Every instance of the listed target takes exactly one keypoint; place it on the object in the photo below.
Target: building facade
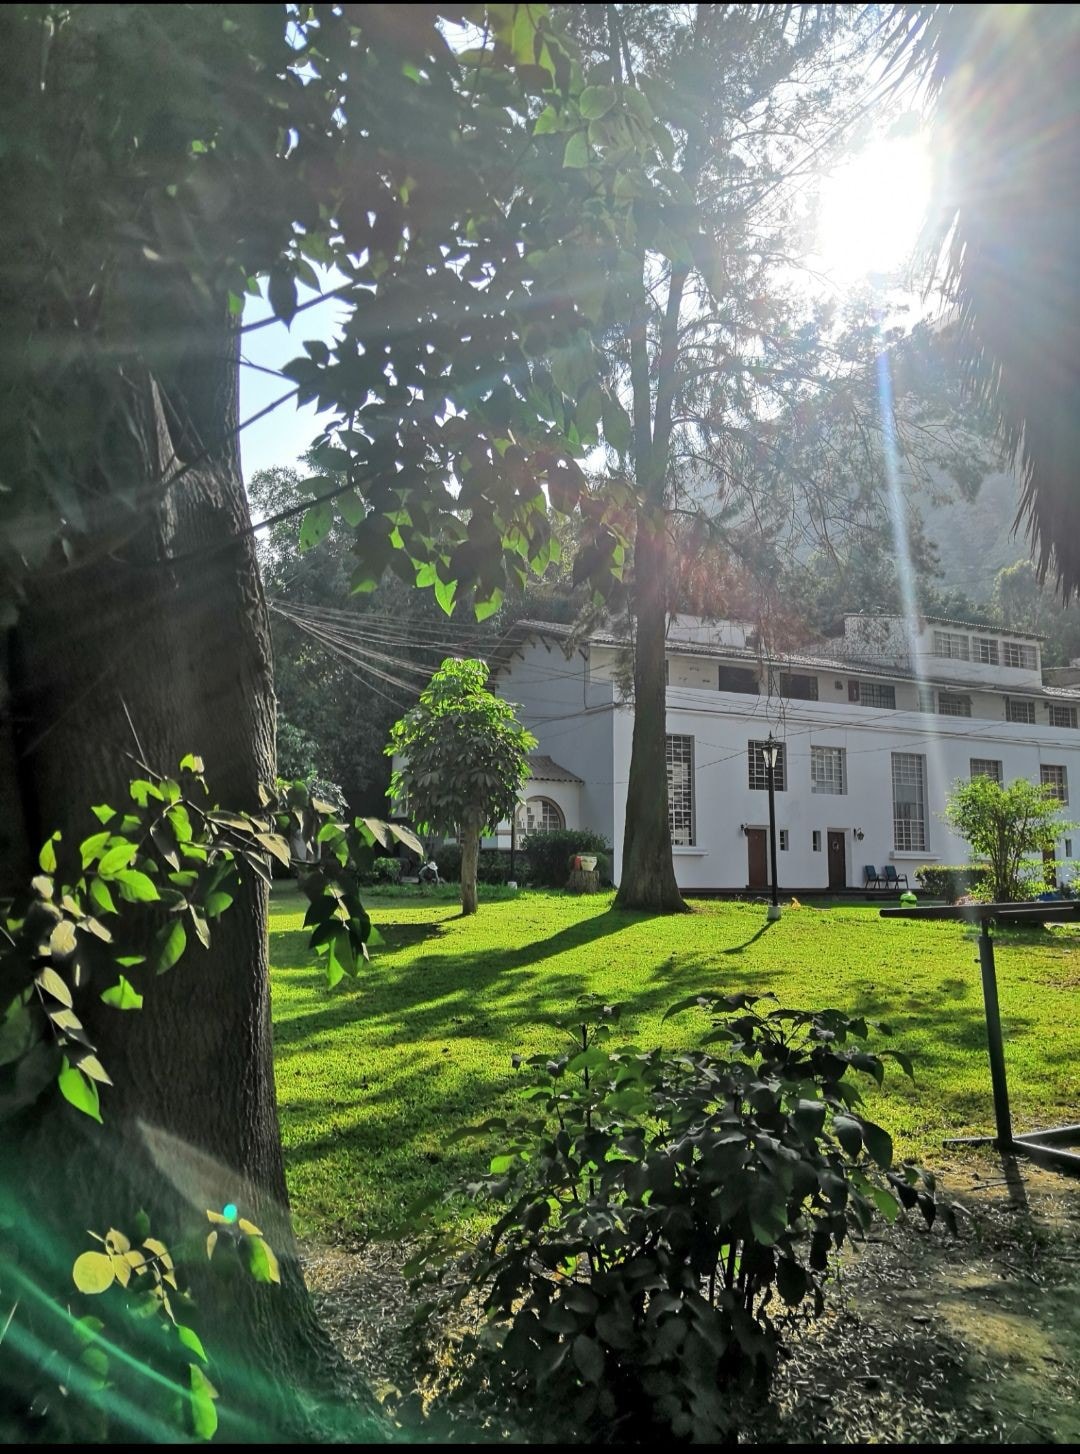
(874, 728)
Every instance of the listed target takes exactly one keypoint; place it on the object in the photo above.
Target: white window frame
(758, 773)
(910, 828)
(1064, 713)
(828, 770)
(977, 767)
(1056, 775)
(533, 811)
(953, 704)
(986, 651)
(868, 691)
(1020, 656)
(682, 816)
(952, 646)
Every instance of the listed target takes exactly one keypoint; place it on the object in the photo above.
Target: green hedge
(492, 866)
(550, 854)
(951, 881)
(387, 870)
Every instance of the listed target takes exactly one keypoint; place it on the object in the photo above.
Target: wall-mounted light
(742, 827)
(858, 833)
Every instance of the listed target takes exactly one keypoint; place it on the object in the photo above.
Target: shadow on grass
(741, 948)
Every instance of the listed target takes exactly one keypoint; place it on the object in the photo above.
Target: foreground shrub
(663, 1217)
(550, 854)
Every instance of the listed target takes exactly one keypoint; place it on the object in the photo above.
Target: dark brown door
(758, 859)
(837, 861)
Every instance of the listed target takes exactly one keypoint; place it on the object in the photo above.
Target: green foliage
(463, 751)
(1004, 826)
(386, 870)
(662, 1218)
(951, 881)
(492, 865)
(550, 854)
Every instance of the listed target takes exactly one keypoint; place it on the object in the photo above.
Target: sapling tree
(463, 757)
(1006, 826)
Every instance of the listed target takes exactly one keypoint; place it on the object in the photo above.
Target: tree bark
(470, 853)
(124, 657)
(647, 879)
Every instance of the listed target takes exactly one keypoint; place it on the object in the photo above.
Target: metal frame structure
(1045, 1147)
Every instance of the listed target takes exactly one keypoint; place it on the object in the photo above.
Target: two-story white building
(874, 727)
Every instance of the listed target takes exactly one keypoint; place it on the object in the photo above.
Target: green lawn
(372, 1077)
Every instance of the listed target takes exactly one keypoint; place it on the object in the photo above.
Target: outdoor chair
(871, 877)
(893, 880)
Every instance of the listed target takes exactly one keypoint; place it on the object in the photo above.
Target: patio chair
(893, 880)
(871, 877)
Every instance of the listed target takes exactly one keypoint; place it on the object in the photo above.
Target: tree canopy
(1006, 826)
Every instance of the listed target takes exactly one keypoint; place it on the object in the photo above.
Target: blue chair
(893, 880)
(871, 877)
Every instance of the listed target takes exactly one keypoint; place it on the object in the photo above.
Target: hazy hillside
(974, 540)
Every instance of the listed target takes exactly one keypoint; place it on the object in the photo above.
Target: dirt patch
(928, 1338)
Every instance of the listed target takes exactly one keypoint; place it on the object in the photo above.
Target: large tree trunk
(470, 854)
(125, 656)
(647, 879)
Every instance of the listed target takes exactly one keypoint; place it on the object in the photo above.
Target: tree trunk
(647, 879)
(470, 853)
(126, 657)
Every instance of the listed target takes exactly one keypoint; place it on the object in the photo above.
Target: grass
(373, 1077)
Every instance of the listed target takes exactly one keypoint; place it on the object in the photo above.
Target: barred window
(785, 840)
(1061, 716)
(1057, 778)
(986, 651)
(540, 815)
(759, 776)
(873, 694)
(827, 774)
(952, 646)
(680, 790)
(1019, 711)
(798, 688)
(1021, 654)
(926, 699)
(909, 802)
(815, 839)
(953, 704)
(987, 767)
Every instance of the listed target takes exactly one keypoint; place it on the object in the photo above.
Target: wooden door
(757, 858)
(837, 860)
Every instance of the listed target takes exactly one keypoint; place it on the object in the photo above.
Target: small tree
(463, 760)
(1005, 825)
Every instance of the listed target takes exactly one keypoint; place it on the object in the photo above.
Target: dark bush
(950, 882)
(387, 870)
(663, 1218)
(448, 862)
(550, 853)
(492, 866)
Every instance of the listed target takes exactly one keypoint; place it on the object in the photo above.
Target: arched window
(539, 815)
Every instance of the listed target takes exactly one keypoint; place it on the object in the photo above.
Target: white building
(874, 728)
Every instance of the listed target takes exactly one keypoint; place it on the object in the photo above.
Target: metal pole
(995, 1045)
(774, 912)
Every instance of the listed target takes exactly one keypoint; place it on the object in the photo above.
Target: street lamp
(769, 753)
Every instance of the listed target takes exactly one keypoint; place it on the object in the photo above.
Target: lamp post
(769, 753)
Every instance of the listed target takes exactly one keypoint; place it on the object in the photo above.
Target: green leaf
(262, 1263)
(136, 887)
(589, 1358)
(62, 941)
(79, 1090)
(317, 523)
(547, 122)
(217, 903)
(849, 1134)
(275, 844)
(577, 151)
(47, 856)
(117, 858)
(90, 847)
(444, 594)
(878, 1143)
(618, 429)
(792, 1281)
(169, 945)
(204, 1417)
(49, 980)
(93, 1272)
(191, 1340)
(103, 813)
(597, 101)
(100, 897)
(281, 291)
(887, 1204)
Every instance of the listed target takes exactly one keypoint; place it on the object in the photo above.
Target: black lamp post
(769, 753)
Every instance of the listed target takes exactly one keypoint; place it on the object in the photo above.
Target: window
(737, 679)
(953, 704)
(986, 651)
(1068, 848)
(1020, 654)
(909, 802)
(815, 839)
(951, 645)
(667, 672)
(1057, 778)
(540, 815)
(798, 688)
(784, 840)
(872, 694)
(759, 778)
(827, 773)
(987, 767)
(1018, 711)
(1062, 716)
(926, 699)
(680, 790)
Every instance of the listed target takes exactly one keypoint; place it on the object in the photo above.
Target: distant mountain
(974, 539)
